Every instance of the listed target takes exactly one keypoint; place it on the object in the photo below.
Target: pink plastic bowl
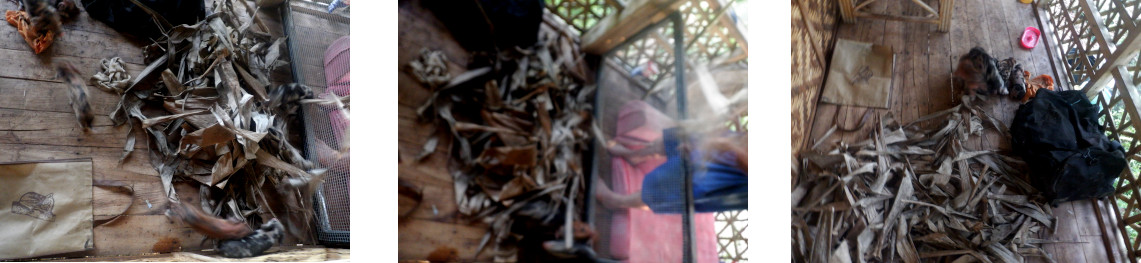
(1030, 37)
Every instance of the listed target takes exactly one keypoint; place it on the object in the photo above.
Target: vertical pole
(689, 240)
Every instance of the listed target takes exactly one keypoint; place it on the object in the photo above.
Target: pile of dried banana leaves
(909, 194)
(518, 127)
(212, 117)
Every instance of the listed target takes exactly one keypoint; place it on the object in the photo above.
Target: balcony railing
(713, 33)
(1097, 43)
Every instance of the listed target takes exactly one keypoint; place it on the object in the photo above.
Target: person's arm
(743, 158)
(739, 148)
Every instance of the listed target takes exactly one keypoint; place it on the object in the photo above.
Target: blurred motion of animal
(255, 244)
(46, 14)
(77, 91)
(208, 225)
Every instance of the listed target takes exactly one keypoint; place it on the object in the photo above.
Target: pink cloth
(637, 235)
(337, 81)
(337, 62)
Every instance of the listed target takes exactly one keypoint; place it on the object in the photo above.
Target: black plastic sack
(126, 17)
(1069, 156)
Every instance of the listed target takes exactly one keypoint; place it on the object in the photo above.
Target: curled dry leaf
(430, 68)
(112, 77)
(429, 148)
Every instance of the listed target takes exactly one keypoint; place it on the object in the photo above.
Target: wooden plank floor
(921, 85)
(436, 224)
(36, 123)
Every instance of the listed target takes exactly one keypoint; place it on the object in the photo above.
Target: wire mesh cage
(641, 102)
(319, 48)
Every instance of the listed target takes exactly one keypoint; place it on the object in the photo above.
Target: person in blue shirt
(720, 174)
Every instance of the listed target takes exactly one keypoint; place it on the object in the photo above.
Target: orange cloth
(22, 22)
(1032, 85)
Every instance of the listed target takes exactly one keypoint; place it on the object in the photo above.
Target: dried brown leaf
(842, 254)
(172, 84)
(428, 149)
(147, 123)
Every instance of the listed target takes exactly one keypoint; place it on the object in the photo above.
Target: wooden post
(846, 11)
(850, 12)
(946, 8)
(689, 232)
(616, 28)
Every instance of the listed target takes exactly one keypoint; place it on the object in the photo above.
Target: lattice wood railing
(731, 241)
(582, 14)
(711, 34)
(1097, 41)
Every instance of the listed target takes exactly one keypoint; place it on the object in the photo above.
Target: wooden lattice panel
(1134, 68)
(731, 241)
(1080, 49)
(706, 33)
(580, 14)
(709, 33)
(653, 53)
(1118, 124)
(1118, 17)
(1124, 15)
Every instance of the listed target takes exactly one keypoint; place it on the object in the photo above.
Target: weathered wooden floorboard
(435, 223)
(22, 64)
(939, 65)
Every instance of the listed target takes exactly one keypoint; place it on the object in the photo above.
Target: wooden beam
(1108, 48)
(946, 8)
(847, 11)
(1124, 53)
(616, 28)
(734, 30)
(618, 6)
(1069, 22)
(1052, 48)
(1128, 91)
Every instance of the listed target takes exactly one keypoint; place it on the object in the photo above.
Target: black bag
(126, 17)
(1069, 156)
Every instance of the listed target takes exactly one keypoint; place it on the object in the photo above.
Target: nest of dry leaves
(518, 129)
(912, 194)
(210, 116)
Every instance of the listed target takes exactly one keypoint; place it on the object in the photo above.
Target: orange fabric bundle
(22, 22)
(1039, 82)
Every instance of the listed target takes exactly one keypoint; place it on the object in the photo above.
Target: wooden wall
(814, 24)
